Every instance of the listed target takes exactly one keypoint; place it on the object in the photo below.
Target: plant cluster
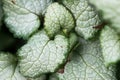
(59, 40)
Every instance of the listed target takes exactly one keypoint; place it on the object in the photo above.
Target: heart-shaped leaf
(42, 55)
(85, 16)
(58, 19)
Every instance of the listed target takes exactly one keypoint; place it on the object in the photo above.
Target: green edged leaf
(21, 21)
(110, 12)
(87, 64)
(86, 17)
(110, 42)
(8, 67)
(42, 55)
(57, 19)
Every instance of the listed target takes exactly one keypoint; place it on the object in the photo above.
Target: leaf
(8, 67)
(42, 55)
(86, 17)
(21, 16)
(57, 19)
(1, 13)
(87, 64)
(19, 20)
(110, 12)
(110, 42)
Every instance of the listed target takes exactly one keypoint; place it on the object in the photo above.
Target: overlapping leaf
(87, 64)
(58, 19)
(42, 55)
(110, 42)
(85, 16)
(22, 16)
(110, 11)
(8, 67)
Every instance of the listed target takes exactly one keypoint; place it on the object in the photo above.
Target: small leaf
(73, 40)
(110, 12)
(42, 55)
(87, 64)
(8, 67)
(86, 17)
(110, 42)
(58, 19)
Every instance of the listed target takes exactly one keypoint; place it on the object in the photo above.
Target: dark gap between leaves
(17, 41)
(118, 70)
